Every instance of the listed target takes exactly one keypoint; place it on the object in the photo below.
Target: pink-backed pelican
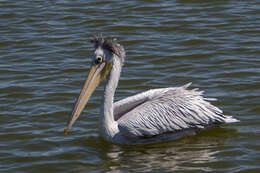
(154, 115)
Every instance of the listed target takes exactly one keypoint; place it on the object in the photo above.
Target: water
(45, 57)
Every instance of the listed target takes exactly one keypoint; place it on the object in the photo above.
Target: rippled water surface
(44, 59)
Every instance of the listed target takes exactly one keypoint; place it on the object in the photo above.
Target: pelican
(151, 116)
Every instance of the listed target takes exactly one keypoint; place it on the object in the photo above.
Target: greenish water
(45, 57)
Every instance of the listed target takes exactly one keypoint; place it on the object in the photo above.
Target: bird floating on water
(151, 116)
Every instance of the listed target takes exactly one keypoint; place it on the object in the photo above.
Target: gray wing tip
(187, 85)
(211, 99)
(200, 92)
(230, 119)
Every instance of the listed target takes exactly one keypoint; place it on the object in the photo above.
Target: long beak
(96, 74)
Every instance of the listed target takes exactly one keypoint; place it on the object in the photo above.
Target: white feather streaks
(167, 110)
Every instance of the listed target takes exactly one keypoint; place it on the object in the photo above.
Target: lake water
(45, 56)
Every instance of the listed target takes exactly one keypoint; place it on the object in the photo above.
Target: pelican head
(102, 61)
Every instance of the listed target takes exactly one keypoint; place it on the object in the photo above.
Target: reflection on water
(165, 159)
(191, 153)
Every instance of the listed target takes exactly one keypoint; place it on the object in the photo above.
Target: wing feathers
(170, 110)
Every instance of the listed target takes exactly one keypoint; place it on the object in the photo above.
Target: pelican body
(151, 116)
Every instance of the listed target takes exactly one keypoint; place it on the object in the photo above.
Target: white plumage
(169, 110)
(154, 115)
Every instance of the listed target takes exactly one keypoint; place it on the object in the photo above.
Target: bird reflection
(190, 153)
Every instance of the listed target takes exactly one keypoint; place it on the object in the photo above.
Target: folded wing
(170, 110)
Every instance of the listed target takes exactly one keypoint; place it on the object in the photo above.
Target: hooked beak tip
(66, 130)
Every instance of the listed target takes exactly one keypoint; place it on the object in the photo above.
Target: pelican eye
(98, 59)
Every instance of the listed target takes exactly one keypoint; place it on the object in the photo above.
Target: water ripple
(45, 55)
